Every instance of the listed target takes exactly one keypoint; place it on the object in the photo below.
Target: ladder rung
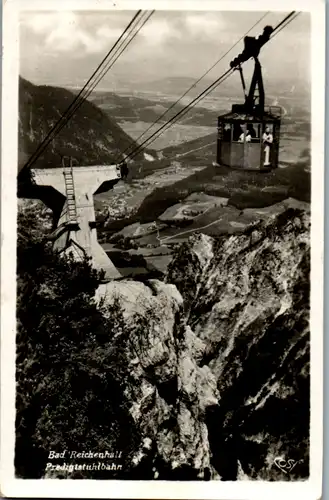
(70, 197)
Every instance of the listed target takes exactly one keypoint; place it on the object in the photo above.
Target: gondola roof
(249, 117)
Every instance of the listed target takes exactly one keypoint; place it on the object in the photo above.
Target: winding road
(192, 150)
(190, 230)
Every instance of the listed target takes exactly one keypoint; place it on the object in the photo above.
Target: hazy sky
(65, 47)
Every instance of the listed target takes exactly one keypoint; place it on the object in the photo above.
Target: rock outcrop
(169, 392)
(219, 356)
(247, 298)
(216, 359)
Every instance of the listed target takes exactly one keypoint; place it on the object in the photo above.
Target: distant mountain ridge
(230, 88)
(91, 136)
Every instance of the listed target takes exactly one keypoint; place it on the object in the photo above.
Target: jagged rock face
(218, 356)
(246, 298)
(169, 392)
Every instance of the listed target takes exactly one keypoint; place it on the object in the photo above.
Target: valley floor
(161, 206)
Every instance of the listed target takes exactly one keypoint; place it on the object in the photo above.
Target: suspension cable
(79, 99)
(276, 32)
(196, 82)
(177, 115)
(50, 135)
(182, 113)
(278, 26)
(110, 64)
(290, 17)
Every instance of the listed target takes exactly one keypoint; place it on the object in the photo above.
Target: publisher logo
(284, 465)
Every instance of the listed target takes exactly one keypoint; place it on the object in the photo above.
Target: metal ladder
(70, 194)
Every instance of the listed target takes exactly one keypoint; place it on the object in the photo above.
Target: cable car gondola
(249, 135)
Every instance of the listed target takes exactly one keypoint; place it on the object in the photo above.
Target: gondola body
(249, 135)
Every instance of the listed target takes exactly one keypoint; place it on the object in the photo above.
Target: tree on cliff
(71, 363)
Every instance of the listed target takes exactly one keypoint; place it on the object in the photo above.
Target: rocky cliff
(219, 356)
(169, 392)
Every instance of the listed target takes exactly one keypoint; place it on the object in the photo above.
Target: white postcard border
(9, 486)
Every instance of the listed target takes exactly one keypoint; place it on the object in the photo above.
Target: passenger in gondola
(227, 132)
(237, 132)
(267, 141)
(245, 136)
(251, 130)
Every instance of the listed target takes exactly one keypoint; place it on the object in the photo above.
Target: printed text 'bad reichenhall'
(85, 454)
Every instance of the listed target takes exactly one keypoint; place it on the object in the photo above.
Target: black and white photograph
(164, 193)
